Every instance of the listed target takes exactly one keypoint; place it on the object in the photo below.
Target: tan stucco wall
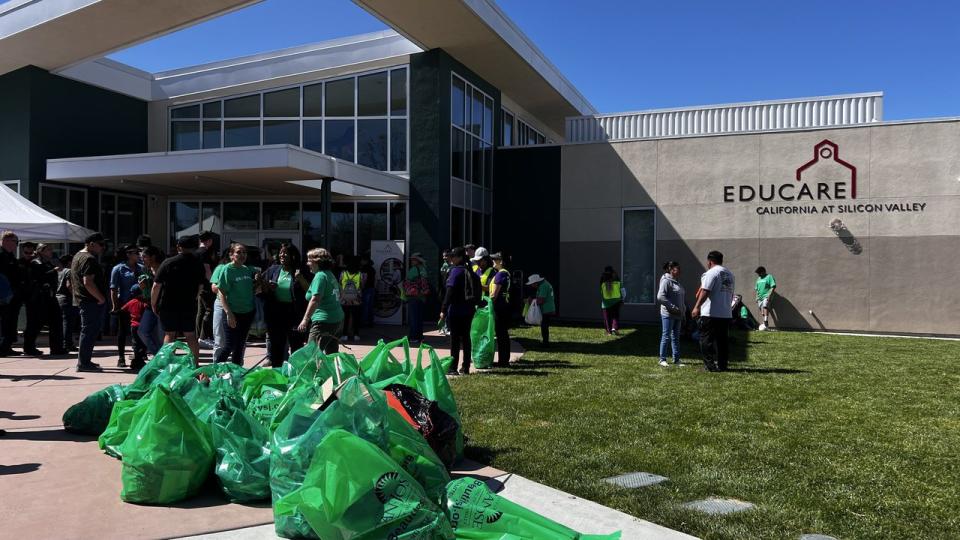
(892, 272)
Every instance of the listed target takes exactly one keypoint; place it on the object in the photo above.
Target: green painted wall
(45, 116)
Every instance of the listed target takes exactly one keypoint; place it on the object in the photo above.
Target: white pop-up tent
(31, 222)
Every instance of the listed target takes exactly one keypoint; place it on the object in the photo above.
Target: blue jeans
(369, 297)
(219, 323)
(150, 331)
(91, 319)
(671, 333)
(415, 315)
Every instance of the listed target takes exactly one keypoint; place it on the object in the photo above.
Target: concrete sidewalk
(57, 485)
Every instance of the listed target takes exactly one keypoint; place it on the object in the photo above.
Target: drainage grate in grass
(718, 507)
(636, 480)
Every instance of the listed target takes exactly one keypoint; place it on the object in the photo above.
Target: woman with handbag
(416, 288)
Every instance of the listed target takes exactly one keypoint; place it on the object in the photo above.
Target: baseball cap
(479, 254)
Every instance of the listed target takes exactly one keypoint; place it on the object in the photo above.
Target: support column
(325, 204)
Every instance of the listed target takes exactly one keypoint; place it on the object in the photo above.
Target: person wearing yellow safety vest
(500, 295)
(611, 298)
(351, 289)
(480, 254)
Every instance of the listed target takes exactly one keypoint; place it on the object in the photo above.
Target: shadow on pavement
(39, 377)
(18, 469)
(48, 435)
(768, 371)
(10, 415)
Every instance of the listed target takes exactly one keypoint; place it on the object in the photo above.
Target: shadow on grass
(768, 371)
(484, 455)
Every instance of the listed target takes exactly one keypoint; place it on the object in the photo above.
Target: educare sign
(829, 180)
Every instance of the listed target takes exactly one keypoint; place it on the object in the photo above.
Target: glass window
(487, 133)
(507, 129)
(281, 132)
(241, 216)
(639, 275)
(476, 116)
(211, 110)
(282, 103)
(281, 215)
(398, 92)
(210, 213)
(242, 107)
(339, 139)
(341, 229)
(313, 100)
(372, 95)
(313, 135)
(312, 226)
(241, 133)
(476, 161)
(340, 98)
(211, 134)
(184, 220)
(398, 221)
(487, 165)
(456, 227)
(108, 220)
(457, 159)
(193, 111)
(457, 96)
(372, 143)
(129, 219)
(398, 145)
(185, 135)
(54, 200)
(371, 225)
(476, 229)
(78, 207)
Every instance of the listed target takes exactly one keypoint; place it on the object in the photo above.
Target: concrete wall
(886, 272)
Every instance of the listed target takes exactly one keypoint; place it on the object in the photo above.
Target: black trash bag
(90, 416)
(436, 426)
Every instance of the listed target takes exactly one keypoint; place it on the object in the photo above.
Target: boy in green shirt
(766, 286)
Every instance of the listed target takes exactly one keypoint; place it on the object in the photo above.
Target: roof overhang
(256, 170)
(480, 36)
(54, 34)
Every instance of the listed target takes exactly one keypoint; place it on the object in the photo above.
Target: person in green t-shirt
(544, 297)
(766, 286)
(324, 316)
(235, 288)
(285, 285)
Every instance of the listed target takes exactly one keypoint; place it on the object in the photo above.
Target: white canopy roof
(31, 222)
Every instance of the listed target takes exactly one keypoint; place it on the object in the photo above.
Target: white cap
(479, 254)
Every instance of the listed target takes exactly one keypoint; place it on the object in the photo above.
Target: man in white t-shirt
(713, 309)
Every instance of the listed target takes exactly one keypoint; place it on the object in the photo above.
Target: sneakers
(663, 363)
(33, 352)
(90, 368)
(122, 363)
(762, 328)
(678, 363)
(206, 343)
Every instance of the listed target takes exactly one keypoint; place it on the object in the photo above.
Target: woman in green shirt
(543, 296)
(324, 316)
(285, 285)
(235, 287)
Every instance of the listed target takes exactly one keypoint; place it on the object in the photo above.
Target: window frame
(623, 219)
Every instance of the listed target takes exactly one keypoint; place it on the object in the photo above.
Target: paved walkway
(54, 484)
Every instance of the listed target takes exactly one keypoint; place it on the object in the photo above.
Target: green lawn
(855, 437)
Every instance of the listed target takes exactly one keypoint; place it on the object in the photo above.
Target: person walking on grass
(544, 297)
(462, 293)
(89, 285)
(766, 286)
(324, 316)
(174, 293)
(673, 308)
(235, 288)
(713, 308)
(611, 298)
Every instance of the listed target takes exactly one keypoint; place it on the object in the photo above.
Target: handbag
(534, 316)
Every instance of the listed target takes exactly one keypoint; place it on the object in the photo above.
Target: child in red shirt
(135, 307)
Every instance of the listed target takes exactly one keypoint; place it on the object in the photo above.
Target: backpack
(473, 291)
(349, 294)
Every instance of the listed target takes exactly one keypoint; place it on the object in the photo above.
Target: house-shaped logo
(826, 166)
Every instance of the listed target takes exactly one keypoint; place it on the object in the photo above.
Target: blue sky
(633, 55)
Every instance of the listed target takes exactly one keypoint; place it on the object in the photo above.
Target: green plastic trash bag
(353, 490)
(380, 363)
(90, 416)
(254, 381)
(301, 359)
(266, 405)
(243, 454)
(226, 378)
(117, 427)
(483, 336)
(168, 454)
(161, 369)
(409, 449)
(431, 381)
(477, 513)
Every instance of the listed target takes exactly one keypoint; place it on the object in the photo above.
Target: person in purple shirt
(457, 311)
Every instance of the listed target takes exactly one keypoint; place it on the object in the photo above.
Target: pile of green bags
(345, 449)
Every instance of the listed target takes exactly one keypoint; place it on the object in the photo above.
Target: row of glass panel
(353, 225)
(121, 218)
(526, 134)
(471, 109)
(471, 159)
(470, 227)
(338, 118)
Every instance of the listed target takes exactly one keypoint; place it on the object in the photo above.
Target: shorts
(178, 320)
(765, 303)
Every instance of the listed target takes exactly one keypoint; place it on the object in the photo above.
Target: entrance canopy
(31, 222)
(255, 170)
